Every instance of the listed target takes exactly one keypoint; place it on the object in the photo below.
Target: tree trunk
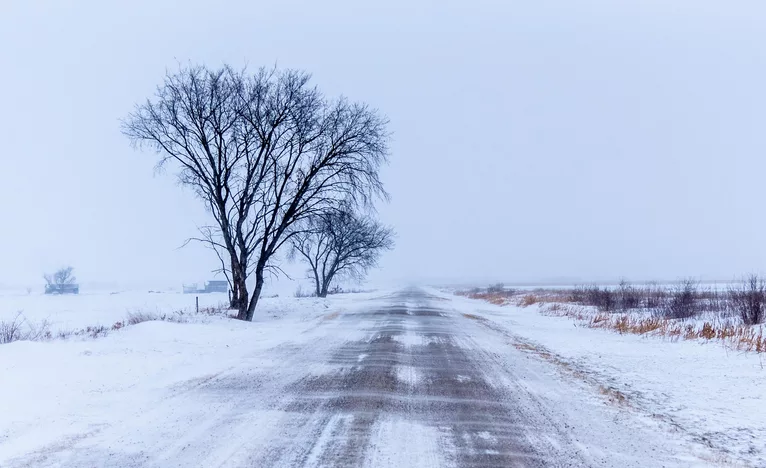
(235, 299)
(238, 297)
(241, 301)
(239, 290)
(259, 280)
(234, 295)
(325, 287)
(318, 291)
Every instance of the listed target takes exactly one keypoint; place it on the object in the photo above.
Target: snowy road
(403, 380)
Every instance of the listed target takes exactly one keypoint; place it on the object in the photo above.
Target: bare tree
(61, 277)
(339, 243)
(62, 281)
(264, 151)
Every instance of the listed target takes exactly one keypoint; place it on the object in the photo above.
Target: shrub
(654, 296)
(496, 288)
(594, 296)
(134, 318)
(11, 331)
(577, 295)
(683, 302)
(629, 297)
(19, 329)
(98, 331)
(602, 298)
(748, 301)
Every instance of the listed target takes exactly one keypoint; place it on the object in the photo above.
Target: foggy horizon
(530, 143)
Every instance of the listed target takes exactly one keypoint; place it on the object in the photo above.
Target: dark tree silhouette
(61, 277)
(264, 151)
(339, 243)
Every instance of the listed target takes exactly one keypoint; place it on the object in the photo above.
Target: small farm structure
(62, 289)
(210, 287)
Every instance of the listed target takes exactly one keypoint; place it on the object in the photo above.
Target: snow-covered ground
(214, 391)
(55, 391)
(74, 312)
(712, 394)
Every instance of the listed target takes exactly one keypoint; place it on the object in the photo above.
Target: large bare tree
(264, 151)
(339, 243)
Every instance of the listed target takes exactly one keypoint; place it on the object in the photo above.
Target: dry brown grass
(528, 300)
(503, 298)
(565, 310)
(558, 298)
(497, 298)
(735, 336)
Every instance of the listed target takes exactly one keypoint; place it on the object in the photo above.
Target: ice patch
(362, 357)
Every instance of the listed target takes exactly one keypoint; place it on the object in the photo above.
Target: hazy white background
(532, 140)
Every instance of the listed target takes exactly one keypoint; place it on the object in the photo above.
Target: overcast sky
(532, 140)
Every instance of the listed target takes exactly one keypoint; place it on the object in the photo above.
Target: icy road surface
(400, 380)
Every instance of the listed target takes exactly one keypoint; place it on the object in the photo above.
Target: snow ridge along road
(397, 380)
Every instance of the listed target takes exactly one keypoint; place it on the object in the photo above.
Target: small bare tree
(264, 152)
(61, 277)
(340, 243)
(748, 300)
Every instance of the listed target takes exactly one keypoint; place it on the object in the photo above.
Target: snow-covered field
(712, 394)
(74, 312)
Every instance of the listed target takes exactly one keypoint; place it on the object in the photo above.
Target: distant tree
(264, 152)
(61, 277)
(339, 243)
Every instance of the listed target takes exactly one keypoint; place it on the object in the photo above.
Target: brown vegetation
(724, 316)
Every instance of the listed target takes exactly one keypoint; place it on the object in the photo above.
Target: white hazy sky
(539, 139)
